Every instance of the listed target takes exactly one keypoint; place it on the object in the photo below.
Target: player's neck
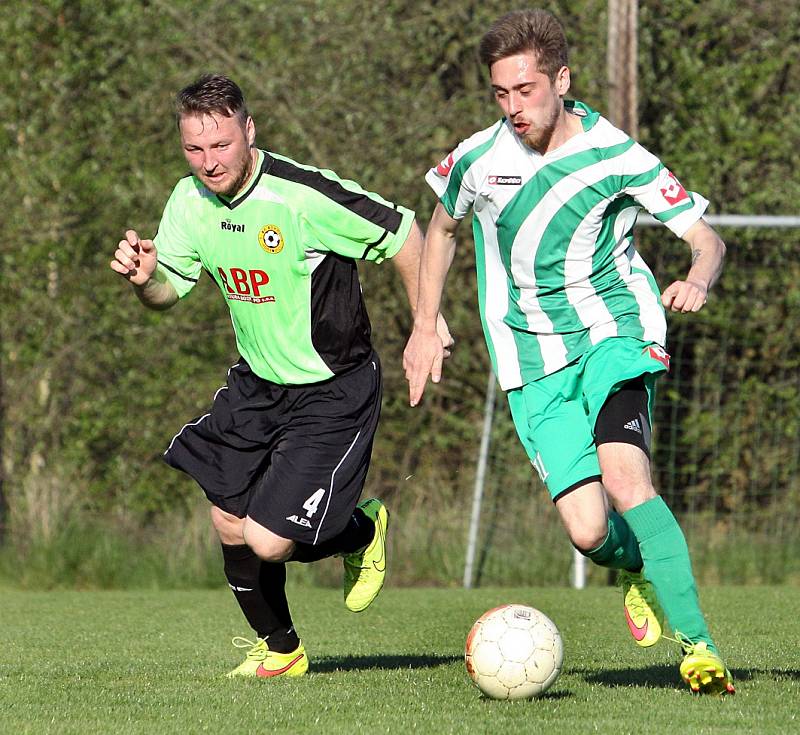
(567, 127)
(251, 172)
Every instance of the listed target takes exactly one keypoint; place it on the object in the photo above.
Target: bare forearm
(406, 261)
(708, 255)
(437, 256)
(430, 340)
(157, 292)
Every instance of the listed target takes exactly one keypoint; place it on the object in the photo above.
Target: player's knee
(627, 489)
(267, 545)
(589, 537)
(230, 529)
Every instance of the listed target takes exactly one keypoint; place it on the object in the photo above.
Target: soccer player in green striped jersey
(573, 319)
(284, 450)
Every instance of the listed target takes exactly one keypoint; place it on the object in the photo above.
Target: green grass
(152, 662)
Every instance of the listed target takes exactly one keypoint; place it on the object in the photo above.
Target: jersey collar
(587, 115)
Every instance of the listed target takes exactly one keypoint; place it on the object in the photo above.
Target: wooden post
(623, 83)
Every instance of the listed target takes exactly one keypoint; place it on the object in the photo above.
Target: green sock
(620, 550)
(668, 567)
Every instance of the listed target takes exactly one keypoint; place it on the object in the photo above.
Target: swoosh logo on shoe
(636, 631)
(380, 564)
(265, 673)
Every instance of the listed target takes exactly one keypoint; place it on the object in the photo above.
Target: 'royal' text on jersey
(231, 226)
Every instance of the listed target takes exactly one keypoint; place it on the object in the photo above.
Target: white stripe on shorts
(330, 487)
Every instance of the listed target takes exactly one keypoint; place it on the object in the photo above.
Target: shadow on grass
(355, 663)
(666, 676)
(552, 696)
(662, 676)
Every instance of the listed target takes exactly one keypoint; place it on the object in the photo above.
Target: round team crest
(270, 238)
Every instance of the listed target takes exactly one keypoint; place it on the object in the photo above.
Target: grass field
(152, 662)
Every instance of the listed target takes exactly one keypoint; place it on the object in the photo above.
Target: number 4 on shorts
(311, 505)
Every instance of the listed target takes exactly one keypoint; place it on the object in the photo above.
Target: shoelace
(258, 650)
(683, 641)
(639, 604)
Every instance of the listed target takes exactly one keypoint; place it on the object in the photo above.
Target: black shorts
(293, 458)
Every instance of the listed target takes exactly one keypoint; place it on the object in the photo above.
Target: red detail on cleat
(636, 631)
(265, 673)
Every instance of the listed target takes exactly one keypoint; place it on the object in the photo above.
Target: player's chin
(219, 186)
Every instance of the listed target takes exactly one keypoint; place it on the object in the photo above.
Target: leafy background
(93, 387)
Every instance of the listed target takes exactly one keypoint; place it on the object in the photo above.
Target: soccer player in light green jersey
(283, 452)
(573, 319)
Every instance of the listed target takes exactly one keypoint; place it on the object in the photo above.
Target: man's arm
(425, 351)
(407, 262)
(708, 253)
(137, 261)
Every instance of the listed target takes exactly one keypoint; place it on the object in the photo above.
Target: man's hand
(423, 357)
(708, 253)
(685, 296)
(444, 334)
(135, 259)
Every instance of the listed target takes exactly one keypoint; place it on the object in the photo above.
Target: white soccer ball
(514, 652)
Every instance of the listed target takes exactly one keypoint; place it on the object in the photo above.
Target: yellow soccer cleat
(643, 612)
(365, 571)
(263, 663)
(704, 671)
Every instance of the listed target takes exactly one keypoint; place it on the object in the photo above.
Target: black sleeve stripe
(360, 204)
(374, 244)
(172, 270)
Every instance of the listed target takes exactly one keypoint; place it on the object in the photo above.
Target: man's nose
(209, 161)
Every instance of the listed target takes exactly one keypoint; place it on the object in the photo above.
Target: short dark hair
(527, 30)
(211, 94)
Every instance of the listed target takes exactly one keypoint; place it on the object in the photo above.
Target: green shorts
(555, 416)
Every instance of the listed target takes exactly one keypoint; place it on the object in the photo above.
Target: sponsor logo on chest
(504, 180)
(229, 226)
(245, 284)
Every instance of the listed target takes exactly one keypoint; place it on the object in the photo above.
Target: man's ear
(562, 81)
(250, 131)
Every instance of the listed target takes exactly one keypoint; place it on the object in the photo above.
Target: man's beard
(236, 185)
(539, 139)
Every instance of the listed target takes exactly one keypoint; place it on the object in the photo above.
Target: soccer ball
(514, 652)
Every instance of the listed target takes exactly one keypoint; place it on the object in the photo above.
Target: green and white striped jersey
(557, 269)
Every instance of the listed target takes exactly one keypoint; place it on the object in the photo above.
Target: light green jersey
(557, 269)
(283, 255)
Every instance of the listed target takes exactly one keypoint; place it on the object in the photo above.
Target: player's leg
(598, 532)
(643, 612)
(667, 565)
(316, 476)
(225, 452)
(622, 432)
(662, 544)
(259, 588)
(553, 427)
